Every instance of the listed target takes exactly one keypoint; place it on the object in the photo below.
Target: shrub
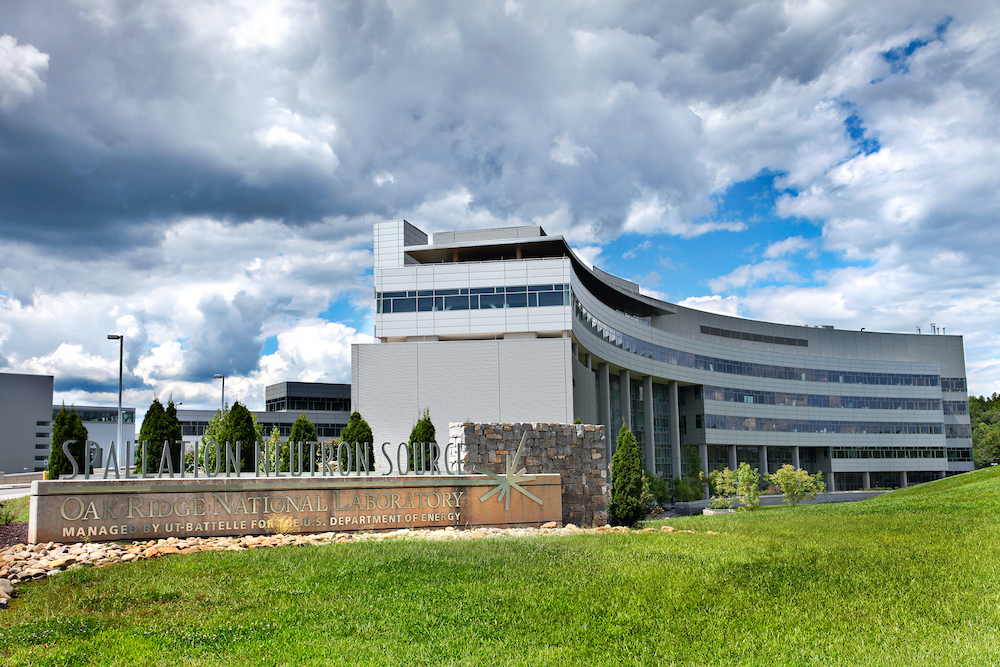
(723, 486)
(748, 486)
(692, 485)
(626, 507)
(359, 432)
(659, 488)
(422, 440)
(797, 485)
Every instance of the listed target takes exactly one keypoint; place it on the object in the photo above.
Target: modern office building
(327, 406)
(25, 422)
(509, 325)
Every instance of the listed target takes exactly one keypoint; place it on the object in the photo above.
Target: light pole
(217, 376)
(121, 364)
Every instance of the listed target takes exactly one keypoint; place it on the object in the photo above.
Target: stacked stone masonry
(574, 451)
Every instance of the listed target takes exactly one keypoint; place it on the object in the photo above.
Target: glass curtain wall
(661, 431)
(639, 417)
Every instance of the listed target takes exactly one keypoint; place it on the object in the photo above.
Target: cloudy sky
(202, 175)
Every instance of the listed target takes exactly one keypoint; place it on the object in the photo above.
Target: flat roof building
(509, 325)
(25, 422)
(326, 405)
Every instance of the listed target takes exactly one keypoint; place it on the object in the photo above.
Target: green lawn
(17, 507)
(910, 578)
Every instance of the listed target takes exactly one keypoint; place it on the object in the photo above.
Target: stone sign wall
(137, 509)
(575, 451)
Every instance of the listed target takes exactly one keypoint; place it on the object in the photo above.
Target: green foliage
(747, 486)
(691, 486)
(423, 446)
(736, 487)
(359, 432)
(626, 506)
(659, 488)
(984, 415)
(797, 485)
(158, 426)
(243, 428)
(232, 425)
(67, 426)
(577, 421)
(723, 487)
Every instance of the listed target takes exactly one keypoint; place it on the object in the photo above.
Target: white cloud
(729, 305)
(749, 274)
(789, 246)
(565, 152)
(653, 216)
(21, 70)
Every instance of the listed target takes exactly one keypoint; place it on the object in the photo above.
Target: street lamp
(121, 364)
(217, 376)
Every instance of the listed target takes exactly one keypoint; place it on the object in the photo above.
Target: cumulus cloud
(750, 274)
(789, 246)
(21, 71)
(729, 305)
(204, 176)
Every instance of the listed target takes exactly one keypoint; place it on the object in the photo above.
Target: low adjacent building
(25, 422)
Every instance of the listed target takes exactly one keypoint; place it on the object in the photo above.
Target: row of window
(958, 430)
(311, 404)
(735, 423)
(953, 384)
(322, 430)
(128, 417)
(955, 407)
(659, 353)
(898, 453)
(472, 298)
(757, 338)
(819, 401)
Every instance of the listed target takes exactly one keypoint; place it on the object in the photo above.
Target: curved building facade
(508, 325)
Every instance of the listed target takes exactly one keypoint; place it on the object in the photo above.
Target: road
(14, 492)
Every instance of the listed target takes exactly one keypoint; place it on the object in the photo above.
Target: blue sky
(203, 178)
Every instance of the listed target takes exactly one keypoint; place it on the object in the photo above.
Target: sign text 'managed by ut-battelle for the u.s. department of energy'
(135, 508)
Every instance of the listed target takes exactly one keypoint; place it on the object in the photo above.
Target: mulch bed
(13, 533)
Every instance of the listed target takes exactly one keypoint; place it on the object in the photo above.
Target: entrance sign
(99, 510)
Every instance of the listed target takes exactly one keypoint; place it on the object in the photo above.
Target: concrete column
(675, 429)
(732, 457)
(867, 482)
(576, 351)
(703, 455)
(831, 484)
(944, 474)
(795, 457)
(902, 479)
(647, 411)
(588, 362)
(604, 406)
(624, 381)
(762, 451)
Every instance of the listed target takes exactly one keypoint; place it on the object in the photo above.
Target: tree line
(984, 415)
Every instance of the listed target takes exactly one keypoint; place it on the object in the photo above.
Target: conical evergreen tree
(242, 429)
(67, 426)
(358, 431)
(423, 449)
(625, 508)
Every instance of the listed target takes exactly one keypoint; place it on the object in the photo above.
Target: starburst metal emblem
(512, 480)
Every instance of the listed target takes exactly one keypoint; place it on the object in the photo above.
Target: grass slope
(910, 578)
